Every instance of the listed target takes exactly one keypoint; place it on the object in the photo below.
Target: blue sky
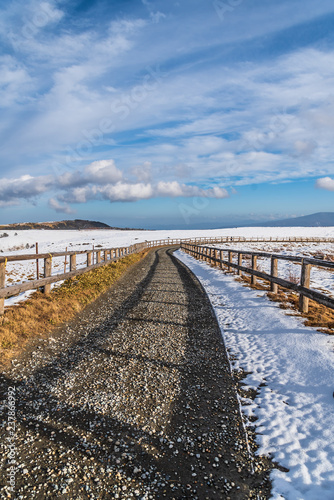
(166, 114)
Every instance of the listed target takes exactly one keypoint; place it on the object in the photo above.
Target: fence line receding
(234, 259)
(100, 256)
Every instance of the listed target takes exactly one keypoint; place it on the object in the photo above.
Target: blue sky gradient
(157, 114)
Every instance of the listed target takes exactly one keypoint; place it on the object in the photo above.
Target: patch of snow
(322, 279)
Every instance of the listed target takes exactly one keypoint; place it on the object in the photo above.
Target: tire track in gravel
(133, 399)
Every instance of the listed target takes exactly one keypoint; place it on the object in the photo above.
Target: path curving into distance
(133, 399)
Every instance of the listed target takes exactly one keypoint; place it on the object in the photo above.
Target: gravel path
(134, 399)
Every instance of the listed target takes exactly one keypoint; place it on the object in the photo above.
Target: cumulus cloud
(100, 180)
(325, 183)
(175, 189)
(126, 192)
(102, 172)
(25, 187)
(55, 205)
(98, 172)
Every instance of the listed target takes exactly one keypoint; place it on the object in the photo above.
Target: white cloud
(97, 172)
(174, 189)
(77, 195)
(103, 171)
(99, 180)
(25, 187)
(55, 205)
(325, 183)
(126, 192)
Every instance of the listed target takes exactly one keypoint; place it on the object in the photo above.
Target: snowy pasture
(23, 241)
(322, 279)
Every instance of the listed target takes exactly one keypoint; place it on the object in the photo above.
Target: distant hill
(320, 219)
(64, 224)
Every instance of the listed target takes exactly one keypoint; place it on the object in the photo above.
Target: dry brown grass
(37, 316)
(318, 316)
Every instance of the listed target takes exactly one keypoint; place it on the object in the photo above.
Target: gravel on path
(133, 399)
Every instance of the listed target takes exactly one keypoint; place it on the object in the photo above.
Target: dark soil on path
(133, 399)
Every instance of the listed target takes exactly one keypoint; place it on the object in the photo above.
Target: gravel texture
(133, 399)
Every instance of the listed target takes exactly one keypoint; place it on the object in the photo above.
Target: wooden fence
(94, 259)
(215, 256)
(99, 257)
(237, 239)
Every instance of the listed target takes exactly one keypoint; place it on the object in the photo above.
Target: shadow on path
(137, 399)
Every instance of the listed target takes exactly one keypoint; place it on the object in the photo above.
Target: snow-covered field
(292, 368)
(22, 242)
(295, 407)
(322, 279)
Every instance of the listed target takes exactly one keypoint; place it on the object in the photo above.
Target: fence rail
(237, 239)
(95, 258)
(101, 256)
(215, 256)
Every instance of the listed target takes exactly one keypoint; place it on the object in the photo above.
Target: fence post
(37, 263)
(89, 259)
(65, 261)
(239, 263)
(254, 267)
(230, 260)
(216, 257)
(221, 258)
(2, 285)
(73, 262)
(47, 273)
(274, 273)
(98, 257)
(305, 282)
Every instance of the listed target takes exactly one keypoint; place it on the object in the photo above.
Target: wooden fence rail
(215, 256)
(95, 258)
(101, 256)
